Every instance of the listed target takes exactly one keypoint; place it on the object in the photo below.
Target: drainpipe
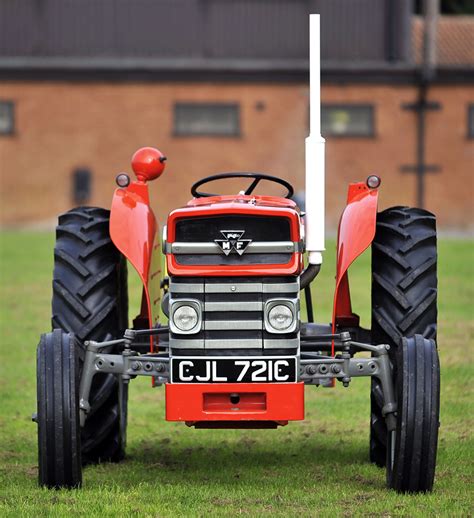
(428, 67)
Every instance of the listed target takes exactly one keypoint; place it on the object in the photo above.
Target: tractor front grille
(269, 238)
(233, 315)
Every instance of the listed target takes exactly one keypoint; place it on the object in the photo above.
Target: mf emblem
(232, 241)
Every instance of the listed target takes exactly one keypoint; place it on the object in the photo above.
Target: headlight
(280, 316)
(185, 317)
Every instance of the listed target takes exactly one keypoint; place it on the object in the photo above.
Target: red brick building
(222, 86)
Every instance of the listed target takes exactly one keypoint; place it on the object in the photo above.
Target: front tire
(90, 300)
(59, 451)
(411, 448)
(404, 295)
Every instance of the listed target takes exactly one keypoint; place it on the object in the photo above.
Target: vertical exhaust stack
(314, 147)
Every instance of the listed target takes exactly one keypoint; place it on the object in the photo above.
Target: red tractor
(235, 352)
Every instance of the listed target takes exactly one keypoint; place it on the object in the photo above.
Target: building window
(81, 185)
(347, 120)
(470, 121)
(207, 119)
(7, 117)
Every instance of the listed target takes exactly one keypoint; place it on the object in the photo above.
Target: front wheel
(412, 446)
(59, 438)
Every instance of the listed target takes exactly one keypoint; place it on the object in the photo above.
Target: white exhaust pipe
(314, 146)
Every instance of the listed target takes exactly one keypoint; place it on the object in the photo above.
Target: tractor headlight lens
(280, 317)
(185, 318)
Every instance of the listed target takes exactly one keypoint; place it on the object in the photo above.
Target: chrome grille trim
(287, 343)
(255, 247)
(186, 288)
(287, 287)
(224, 328)
(249, 287)
(194, 343)
(242, 343)
(233, 306)
(253, 287)
(233, 325)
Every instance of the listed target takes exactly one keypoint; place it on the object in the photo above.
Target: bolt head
(311, 369)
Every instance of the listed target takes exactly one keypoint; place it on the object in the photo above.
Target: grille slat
(232, 305)
(253, 287)
(232, 325)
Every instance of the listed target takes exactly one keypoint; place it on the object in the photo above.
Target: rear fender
(134, 231)
(356, 232)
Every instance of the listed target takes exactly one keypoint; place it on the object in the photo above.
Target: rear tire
(404, 295)
(412, 446)
(59, 451)
(90, 299)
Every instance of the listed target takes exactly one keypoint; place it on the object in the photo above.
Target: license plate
(281, 369)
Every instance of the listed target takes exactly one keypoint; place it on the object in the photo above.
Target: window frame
(347, 106)
(210, 105)
(12, 106)
(470, 121)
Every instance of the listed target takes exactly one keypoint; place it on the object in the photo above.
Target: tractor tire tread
(404, 291)
(90, 299)
(59, 455)
(417, 385)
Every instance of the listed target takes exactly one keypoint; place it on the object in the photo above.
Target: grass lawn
(318, 467)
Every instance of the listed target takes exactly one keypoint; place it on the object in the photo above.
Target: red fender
(356, 232)
(133, 230)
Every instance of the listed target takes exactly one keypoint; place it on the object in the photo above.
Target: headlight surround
(185, 316)
(281, 316)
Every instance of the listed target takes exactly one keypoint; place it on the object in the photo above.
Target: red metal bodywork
(133, 230)
(265, 206)
(195, 402)
(148, 164)
(356, 232)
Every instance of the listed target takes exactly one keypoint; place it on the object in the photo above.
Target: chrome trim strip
(233, 306)
(176, 343)
(271, 343)
(251, 287)
(233, 325)
(255, 247)
(284, 287)
(186, 288)
(243, 343)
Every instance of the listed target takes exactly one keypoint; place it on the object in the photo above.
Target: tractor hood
(235, 235)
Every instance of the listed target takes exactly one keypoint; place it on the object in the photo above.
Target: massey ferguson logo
(232, 241)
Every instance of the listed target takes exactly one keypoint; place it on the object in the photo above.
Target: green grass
(317, 467)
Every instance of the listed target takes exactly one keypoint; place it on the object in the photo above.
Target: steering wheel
(257, 177)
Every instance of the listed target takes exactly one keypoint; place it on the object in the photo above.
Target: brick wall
(62, 126)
